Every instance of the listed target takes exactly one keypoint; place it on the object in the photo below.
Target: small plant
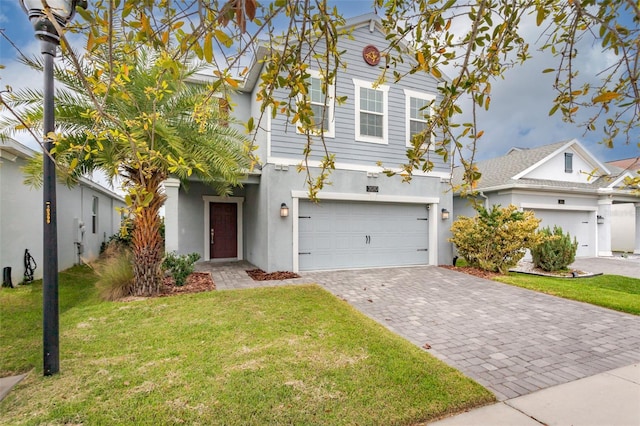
(115, 273)
(556, 251)
(180, 266)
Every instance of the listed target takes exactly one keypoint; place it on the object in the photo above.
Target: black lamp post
(45, 31)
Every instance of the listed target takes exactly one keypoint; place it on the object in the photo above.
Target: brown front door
(223, 230)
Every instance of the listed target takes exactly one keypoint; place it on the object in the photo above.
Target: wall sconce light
(445, 214)
(600, 219)
(284, 210)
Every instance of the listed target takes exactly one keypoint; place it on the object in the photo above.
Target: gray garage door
(345, 234)
(579, 224)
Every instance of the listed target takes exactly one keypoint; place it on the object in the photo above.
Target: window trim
(385, 112)
(408, 94)
(568, 162)
(330, 104)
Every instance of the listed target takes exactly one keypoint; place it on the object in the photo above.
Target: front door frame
(214, 199)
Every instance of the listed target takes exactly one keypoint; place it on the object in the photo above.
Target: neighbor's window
(94, 215)
(417, 110)
(568, 162)
(371, 112)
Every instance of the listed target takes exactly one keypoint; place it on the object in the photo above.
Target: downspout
(486, 200)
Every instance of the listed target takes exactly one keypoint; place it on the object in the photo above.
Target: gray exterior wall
(21, 220)
(285, 142)
(349, 183)
(268, 240)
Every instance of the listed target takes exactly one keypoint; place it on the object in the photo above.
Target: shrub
(115, 273)
(124, 236)
(556, 251)
(120, 240)
(180, 266)
(495, 240)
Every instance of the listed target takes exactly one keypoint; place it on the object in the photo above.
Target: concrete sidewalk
(611, 398)
(7, 383)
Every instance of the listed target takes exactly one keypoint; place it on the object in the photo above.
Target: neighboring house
(363, 219)
(623, 223)
(564, 185)
(86, 216)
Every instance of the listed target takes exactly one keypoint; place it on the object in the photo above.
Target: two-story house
(363, 218)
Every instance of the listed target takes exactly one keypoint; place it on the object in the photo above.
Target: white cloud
(520, 104)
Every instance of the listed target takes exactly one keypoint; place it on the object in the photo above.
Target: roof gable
(551, 166)
(522, 166)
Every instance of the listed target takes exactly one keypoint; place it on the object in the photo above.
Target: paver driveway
(511, 340)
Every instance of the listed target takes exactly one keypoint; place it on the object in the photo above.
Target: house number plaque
(372, 188)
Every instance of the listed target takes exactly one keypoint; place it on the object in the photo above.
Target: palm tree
(136, 116)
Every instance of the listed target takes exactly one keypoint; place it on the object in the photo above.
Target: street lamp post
(45, 31)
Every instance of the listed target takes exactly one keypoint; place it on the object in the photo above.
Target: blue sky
(519, 106)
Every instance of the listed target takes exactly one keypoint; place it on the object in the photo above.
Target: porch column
(171, 228)
(636, 249)
(604, 229)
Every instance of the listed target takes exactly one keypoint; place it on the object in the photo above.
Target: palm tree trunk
(148, 244)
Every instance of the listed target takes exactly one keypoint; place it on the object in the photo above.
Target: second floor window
(321, 104)
(320, 113)
(371, 112)
(417, 110)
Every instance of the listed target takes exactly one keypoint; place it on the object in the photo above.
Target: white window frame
(95, 210)
(385, 111)
(330, 103)
(408, 94)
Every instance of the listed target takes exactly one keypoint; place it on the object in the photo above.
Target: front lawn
(281, 355)
(610, 291)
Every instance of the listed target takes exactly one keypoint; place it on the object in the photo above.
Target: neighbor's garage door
(579, 224)
(345, 234)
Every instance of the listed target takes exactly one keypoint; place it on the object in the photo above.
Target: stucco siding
(256, 224)
(623, 227)
(350, 185)
(21, 221)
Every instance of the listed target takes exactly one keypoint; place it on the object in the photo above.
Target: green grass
(281, 355)
(610, 291)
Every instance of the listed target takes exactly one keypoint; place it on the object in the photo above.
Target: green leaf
(208, 48)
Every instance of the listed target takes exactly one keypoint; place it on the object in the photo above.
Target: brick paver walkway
(512, 341)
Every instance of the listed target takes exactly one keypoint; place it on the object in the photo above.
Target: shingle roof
(497, 172)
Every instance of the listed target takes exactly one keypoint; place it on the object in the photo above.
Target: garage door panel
(343, 234)
(579, 224)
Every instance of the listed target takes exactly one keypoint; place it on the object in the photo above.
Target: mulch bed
(260, 275)
(197, 282)
(476, 272)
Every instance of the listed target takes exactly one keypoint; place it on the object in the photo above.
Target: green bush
(124, 236)
(556, 251)
(180, 266)
(115, 273)
(495, 240)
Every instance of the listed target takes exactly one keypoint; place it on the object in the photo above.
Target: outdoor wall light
(284, 210)
(600, 219)
(445, 214)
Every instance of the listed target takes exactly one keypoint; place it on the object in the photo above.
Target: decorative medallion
(371, 55)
